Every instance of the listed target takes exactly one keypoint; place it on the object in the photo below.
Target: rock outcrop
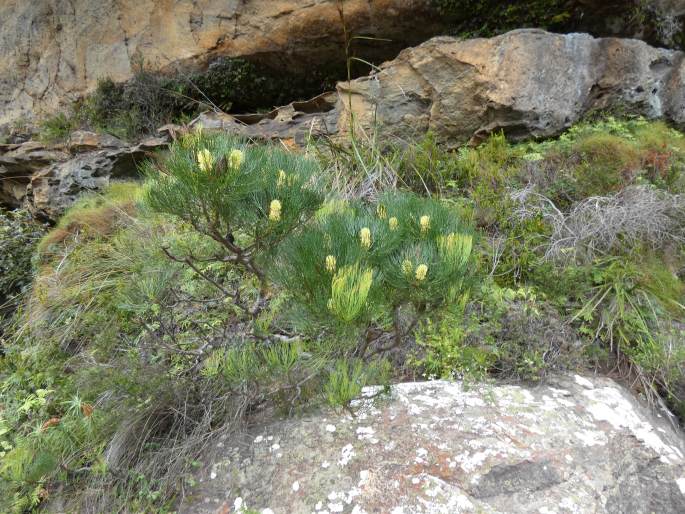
(52, 52)
(48, 179)
(576, 445)
(528, 83)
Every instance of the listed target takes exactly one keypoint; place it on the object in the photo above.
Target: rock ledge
(577, 445)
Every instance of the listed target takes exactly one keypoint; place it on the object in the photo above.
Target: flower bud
(205, 160)
(407, 267)
(425, 222)
(365, 237)
(331, 263)
(275, 210)
(235, 158)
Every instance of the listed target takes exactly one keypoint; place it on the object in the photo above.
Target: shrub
(484, 18)
(101, 378)
(630, 309)
(502, 332)
(247, 199)
(360, 267)
(138, 106)
(637, 216)
(19, 235)
(57, 128)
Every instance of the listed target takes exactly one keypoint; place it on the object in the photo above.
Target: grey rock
(575, 445)
(53, 189)
(84, 141)
(47, 180)
(294, 122)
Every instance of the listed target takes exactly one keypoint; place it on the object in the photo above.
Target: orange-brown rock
(54, 52)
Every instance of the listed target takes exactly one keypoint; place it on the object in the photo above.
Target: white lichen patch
(568, 505)
(608, 404)
(681, 485)
(346, 455)
(592, 437)
(470, 462)
(365, 433)
(584, 382)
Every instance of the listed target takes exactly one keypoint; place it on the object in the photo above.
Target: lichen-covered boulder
(576, 445)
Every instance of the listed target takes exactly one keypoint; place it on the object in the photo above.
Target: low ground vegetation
(150, 99)
(241, 280)
(20, 233)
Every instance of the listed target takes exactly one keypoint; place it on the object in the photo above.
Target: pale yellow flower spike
(275, 210)
(407, 267)
(365, 237)
(425, 223)
(421, 272)
(331, 263)
(381, 211)
(393, 223)
(205, 160)
(236, 158)
(349, 290)
(456, 247)
(282, 177)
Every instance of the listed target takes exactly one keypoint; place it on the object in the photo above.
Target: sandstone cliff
(53, 52)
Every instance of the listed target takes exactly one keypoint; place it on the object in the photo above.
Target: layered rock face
(53, 52)
(48, 180)
(576, 445)
(526, 83)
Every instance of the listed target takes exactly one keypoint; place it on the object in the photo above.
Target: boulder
(528, 83)
(18, 163)
(84, 141)
(575, 445)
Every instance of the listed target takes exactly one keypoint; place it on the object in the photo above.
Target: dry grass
(632, 218)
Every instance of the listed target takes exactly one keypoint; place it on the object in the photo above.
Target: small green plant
(19, 236)
(57, 128)
(345, 383)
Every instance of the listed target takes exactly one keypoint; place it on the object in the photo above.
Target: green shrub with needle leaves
(245, 197)
(359, 265)
(349, 265)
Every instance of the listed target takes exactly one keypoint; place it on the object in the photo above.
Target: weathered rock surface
(292, 123)
(526, 83)
(53, 52)
(577, 445)
(47, 180)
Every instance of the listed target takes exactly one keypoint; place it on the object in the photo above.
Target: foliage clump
(150, 99)
(19, 235)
